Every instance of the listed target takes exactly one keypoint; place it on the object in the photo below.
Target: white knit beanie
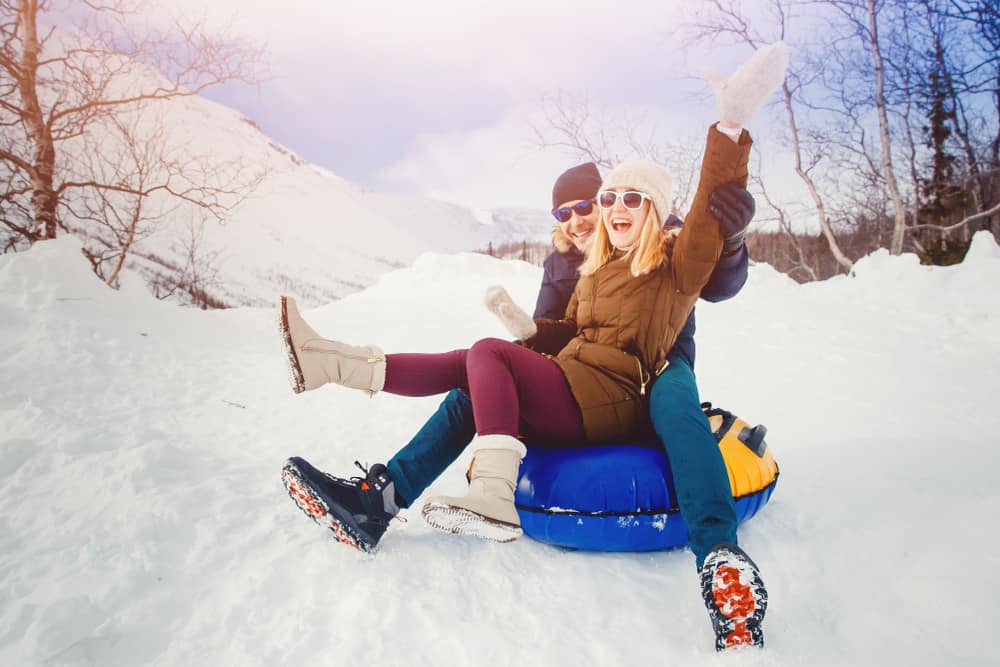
(647, 177)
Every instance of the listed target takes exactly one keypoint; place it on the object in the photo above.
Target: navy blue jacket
(561, 271)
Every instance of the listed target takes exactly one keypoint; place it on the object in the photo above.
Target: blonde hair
(648, 254)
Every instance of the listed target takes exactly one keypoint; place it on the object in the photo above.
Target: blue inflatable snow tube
(621, 497)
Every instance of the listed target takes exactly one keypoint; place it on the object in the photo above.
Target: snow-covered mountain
(144, 521)
(308, 232)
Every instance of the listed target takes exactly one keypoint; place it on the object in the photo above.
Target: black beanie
(580, 182)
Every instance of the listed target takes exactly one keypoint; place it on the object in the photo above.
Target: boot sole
(736, 602)
(295, 376)
(320, 511)
(460, 521)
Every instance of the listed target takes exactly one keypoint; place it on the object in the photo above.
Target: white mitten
(740, 96)
(518, 322)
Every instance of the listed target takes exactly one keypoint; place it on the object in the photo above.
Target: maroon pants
(514, 390)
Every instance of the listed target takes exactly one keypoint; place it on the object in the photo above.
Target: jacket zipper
(643, 377)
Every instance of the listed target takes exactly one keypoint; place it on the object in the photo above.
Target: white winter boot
(487, 511)
(314, 361)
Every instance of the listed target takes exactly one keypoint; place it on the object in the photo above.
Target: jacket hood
(561, 241)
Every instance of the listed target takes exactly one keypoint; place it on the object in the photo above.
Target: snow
(145, 522)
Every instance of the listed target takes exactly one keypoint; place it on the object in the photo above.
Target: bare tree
(981, 215)
(193, 281)
(112, 205)
(571, 125)
(136, 180)
(973, 71)
(55, 87)
(871, 37)
(947, 72)
(942, 66)
(800, 262)
(908, 77)
(923, 90)
(728, 21)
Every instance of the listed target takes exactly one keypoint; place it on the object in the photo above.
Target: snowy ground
(144, 521)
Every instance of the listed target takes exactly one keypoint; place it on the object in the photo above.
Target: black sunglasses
(566, 212)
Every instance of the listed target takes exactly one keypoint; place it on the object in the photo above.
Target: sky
(440, 97)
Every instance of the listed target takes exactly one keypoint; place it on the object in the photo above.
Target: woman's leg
(513, 389)
(516, 390)
(414, 374)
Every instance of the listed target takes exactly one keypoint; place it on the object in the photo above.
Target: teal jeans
(435, 447)
(704, 495)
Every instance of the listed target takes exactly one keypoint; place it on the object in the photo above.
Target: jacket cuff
(730, 258)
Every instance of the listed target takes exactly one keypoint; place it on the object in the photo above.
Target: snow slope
(144, 520)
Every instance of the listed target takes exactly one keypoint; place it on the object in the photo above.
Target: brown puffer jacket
(620, 327)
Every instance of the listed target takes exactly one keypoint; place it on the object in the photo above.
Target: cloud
(503, 165)
(489, 167)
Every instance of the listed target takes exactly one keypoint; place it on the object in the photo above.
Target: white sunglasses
(630, 199)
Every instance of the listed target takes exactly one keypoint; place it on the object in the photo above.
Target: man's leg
(358, 510)
(704, 495)
(731, 586)
(435, 447)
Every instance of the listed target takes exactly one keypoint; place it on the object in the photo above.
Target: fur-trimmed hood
(561, 241)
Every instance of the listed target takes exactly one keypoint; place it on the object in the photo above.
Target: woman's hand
(740, 96)
(518, 322)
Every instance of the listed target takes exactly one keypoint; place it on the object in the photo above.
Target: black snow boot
(735, 597)
(356, 510)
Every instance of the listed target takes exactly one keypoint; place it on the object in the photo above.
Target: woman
(625, 314)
